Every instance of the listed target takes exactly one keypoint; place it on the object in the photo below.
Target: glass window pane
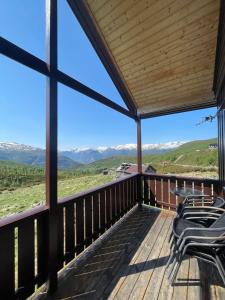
(23, 23)
(78, 58)
(22, 138)
(93, 141)
(182, 144)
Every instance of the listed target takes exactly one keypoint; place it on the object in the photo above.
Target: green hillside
(196, 153)
(192, 156)
(25, 197)
(14, 175)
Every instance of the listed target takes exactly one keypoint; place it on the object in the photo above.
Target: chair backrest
(220, 222)
(219, 202)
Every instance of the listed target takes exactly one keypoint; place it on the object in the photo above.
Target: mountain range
(74, 158)
(89, 155)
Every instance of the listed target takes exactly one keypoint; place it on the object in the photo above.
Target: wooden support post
(51, 142)
(139, 161)
(139, 150)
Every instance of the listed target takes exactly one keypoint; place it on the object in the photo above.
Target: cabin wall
(219, 90)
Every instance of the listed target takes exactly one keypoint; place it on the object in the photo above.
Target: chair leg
(220, 268)
(170, 259)
(174, 275)
(171, 235)
(172, 243)
(175, 260)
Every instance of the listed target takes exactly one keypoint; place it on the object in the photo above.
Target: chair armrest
(207, 208)
(204, 214)
(182, 236)
(197, 240)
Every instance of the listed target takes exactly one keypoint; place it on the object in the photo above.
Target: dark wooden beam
(18, 54)
(139, 146)
(51, 142)
(82, 12)
(72, 83)
(177, 110)
(139, 163)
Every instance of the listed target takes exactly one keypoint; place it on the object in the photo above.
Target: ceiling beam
(84, 16)
(21, 56)
(177, 110)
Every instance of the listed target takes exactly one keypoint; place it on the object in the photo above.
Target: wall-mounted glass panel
(183, 144)
(94, 141)
(22, 138)
(23, 23)
(78, 58)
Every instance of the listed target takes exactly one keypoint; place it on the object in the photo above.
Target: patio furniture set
(198, 231)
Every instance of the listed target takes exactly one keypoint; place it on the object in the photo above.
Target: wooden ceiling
(164, 50)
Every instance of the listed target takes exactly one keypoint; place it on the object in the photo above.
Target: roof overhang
(160, 54)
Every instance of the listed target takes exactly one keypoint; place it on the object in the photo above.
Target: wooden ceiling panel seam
(99, 4)
(168, 53)
(172, 93)
(195, 93)
(153, 77)
(177, 88)
(175, 82)
(185, 56)
(109, 18)
(144, 45)
(146, 97)
(182, 76)
(150, 21)
(195, 98)
(148, 33)
(174, 46)
(173, 98)
(125, 19)
(178, 34)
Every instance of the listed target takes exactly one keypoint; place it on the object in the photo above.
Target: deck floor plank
(127, 276)
(193, 291)
(130, 264)
(155, 282)
(140, 285)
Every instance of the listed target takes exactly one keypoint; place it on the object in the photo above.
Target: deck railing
(156, 189)
(82, 218)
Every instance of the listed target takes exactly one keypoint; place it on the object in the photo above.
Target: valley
(22, 182)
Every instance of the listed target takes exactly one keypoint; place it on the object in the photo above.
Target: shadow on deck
(129, 263)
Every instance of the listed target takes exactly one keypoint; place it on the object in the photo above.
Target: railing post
(139, 161)
(51, 142)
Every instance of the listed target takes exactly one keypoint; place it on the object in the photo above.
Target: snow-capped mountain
(17, 147)
(168, 145)
(88, 155)
(36, 156)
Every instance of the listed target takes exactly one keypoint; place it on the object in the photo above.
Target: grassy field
(26, 197)
(22, 186)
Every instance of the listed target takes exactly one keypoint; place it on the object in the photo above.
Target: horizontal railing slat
(157, 188)
(84, 194)
(81, 219)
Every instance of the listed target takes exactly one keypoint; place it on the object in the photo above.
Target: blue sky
(82, 121)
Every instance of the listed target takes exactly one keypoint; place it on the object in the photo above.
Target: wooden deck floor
(130, 264)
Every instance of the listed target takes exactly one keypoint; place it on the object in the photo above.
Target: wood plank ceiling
(163, 49)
